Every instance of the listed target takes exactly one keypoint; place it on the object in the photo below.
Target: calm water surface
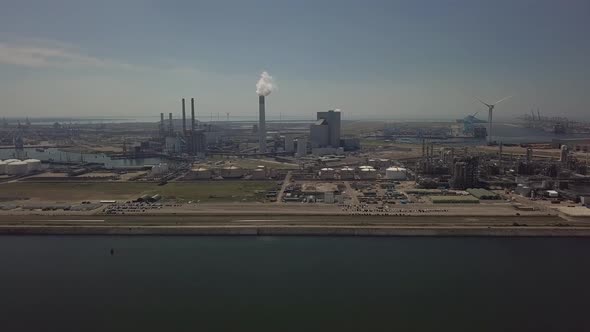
(67, 283)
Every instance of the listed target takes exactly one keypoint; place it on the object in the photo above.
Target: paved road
(352, 193)
(283, 187)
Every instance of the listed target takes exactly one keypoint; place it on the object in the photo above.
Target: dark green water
(62, 283)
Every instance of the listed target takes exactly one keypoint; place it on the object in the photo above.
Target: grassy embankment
(205, 191)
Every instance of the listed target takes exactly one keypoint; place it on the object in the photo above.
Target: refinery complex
(189, 164)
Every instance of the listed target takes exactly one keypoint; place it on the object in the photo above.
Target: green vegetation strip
(454, 199)
(204, 191)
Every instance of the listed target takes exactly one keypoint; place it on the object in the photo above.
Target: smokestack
(193, 140)
(261, 125)
(162, 130)
(193, 114)
(183, 119)
(170, 127)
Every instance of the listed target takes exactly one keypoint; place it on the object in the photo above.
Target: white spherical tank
(17, 168)
(2, 167)
(395, 173)
(34, 164)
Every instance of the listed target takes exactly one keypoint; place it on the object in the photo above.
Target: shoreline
(300, 230)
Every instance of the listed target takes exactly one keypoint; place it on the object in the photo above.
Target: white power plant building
(289, 143)
(301, 147)
(33, 164)
(17, 168)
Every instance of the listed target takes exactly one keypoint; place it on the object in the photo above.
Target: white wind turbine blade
(481, 101)
(501, 100)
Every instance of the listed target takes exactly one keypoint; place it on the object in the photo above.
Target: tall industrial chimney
(183, 119)
(193, 114)
(162, 126)
(193, 139)
(170, 127)
(261, 125)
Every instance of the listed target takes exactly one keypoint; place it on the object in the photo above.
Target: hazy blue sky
(372, 59)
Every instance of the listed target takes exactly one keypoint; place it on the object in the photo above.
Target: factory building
(325, 131)
(465, 173)
(18, 167)
(301, 147)
(289, 143)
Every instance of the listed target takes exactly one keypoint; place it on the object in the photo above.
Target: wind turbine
(490, 114)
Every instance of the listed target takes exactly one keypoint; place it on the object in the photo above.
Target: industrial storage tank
(259, 174)
(327, 173)
(396, 173)
(17, 168)
(8, 161)
(34, 164)
(347, 173)
(201, 173)
(382, 163)
(368, 174)
(232, 172)
(2, 167)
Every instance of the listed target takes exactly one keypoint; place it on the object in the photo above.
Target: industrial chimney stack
(170, 127)
(193, 115)
(261, 125)
(183, 119)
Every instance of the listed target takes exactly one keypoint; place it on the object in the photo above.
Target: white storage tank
(201, 173)
(17, 168)
(2, 167)
(34, 164)
(347, 173)
(395, 173)
(232, 172)
(9, 161)
(368, 174)
(327, 173)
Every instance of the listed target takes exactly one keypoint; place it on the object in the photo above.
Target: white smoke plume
(265, 85)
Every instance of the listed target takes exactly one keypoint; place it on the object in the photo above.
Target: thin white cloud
(44, 54)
